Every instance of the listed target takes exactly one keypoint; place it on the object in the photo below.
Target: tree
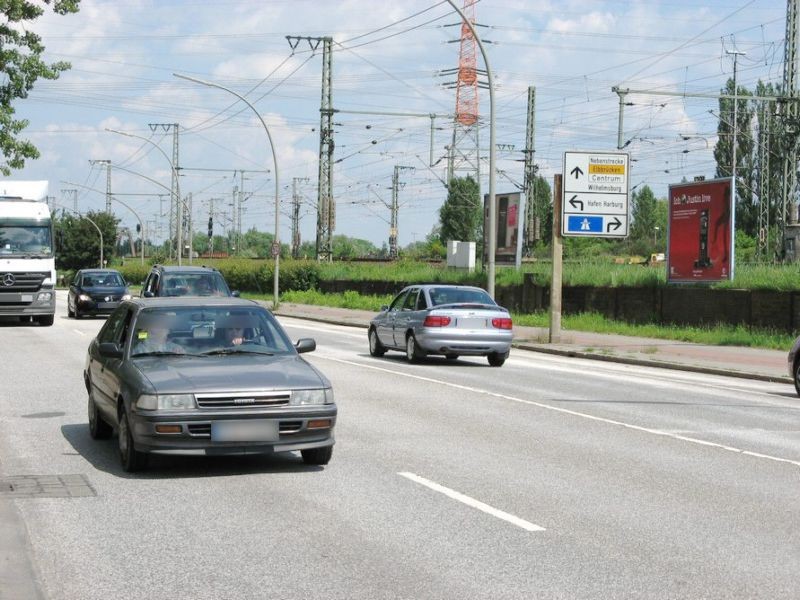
(78, 243)
(461, 215)
(644, 215)
(20, 56)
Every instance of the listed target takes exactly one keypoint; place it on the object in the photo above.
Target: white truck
(27, 260)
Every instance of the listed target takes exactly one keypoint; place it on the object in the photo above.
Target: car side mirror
(110, 350)
(235, 293)
(384, 308)
(147, 294)
(305, 345)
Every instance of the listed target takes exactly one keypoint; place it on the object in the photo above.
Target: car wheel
(98, 428)
(451, 356)
(132, 460)
(46, 321)
(797, 377)
(413, 352)
(70, 312)
(317, 456)
(375, 346)
(497, 360)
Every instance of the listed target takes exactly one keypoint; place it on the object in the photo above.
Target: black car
(96, 292)
(185, 281)
(205, 376)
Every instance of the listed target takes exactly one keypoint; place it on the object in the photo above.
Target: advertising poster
(509, 235)
(700, 237)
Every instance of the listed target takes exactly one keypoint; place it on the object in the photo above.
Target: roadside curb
(580, 354)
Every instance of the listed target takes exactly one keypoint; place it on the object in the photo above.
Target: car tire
(46, 321)
(797, 377)
(451, 356)
(132, 460)
(70, 312)
(496, 360)
(98, 428)
(375, 346)
(317, 456)
(413, 352)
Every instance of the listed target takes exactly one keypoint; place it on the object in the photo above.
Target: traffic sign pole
(555, 279)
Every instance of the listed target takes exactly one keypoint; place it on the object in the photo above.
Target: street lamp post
(178, 202)
(492, 208)
(276, 243)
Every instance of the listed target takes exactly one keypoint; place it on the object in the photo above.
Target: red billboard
(700, 238)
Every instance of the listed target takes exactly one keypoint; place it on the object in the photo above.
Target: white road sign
(595, 200)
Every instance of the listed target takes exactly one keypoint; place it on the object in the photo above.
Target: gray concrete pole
(555, 280)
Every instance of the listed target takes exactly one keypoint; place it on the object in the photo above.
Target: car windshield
(208, 331)
(102, 280)
(24, 239)
(195, 284)
(451, 295)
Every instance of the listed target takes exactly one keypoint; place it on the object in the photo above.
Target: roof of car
(191, 301)
(184, 269)
(98, 271)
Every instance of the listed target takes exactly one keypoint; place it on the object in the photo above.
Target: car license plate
(471, 323)
(245, 431)
(26, 298)
(106, 304)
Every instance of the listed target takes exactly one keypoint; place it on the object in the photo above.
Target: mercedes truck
(27, 260)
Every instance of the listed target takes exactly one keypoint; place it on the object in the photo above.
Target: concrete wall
(670, 305)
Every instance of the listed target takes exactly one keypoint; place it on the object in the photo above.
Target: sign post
(595, 197)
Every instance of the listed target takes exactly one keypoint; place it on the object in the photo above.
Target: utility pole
(736, 55)
(107, 163)
(296, 215)
(326, 207)
(176, 208)
(532, 211)
(393, 251)
(790, 234)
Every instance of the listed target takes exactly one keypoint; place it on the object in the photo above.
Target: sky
(388, 57)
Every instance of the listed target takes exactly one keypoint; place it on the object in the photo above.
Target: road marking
(567, 411)
(79, 332)
(526, 525)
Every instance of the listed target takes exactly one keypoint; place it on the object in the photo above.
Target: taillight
(502, 323)
(436, 321)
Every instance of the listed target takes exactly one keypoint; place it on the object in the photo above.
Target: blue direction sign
(595, 194)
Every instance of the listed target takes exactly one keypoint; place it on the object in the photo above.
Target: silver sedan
(448, 320)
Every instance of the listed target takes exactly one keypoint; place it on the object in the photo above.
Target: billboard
(700, 231)
(510, 210)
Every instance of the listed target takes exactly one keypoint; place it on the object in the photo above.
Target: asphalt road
(550, 477)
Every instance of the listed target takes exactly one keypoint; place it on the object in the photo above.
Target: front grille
(243, 400)
(102, 297)
(28, 281)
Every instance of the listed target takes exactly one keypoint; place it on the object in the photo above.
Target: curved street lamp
(276, 251)
(492, 208)
(178, 202)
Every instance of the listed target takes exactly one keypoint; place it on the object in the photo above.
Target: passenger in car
(155, 339)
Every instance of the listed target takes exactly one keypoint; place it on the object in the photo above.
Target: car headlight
(126, 296)
(165, 401)
(45, 296)
(311, 397)
(84, 298)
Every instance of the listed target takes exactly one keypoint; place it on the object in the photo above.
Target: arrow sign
(576, 171)
(615, 224)
(574, 203)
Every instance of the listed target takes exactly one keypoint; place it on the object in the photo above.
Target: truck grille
(11, 281)
(243, 400)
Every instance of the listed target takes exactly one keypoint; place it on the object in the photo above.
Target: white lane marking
(495, 512)
(79, 332)
(567, 411)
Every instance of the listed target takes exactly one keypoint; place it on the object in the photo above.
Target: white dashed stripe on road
(526, 525)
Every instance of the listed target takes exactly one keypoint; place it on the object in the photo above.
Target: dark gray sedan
(449, 320)
(205, 376)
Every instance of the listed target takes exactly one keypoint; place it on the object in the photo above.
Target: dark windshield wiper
(236, 350)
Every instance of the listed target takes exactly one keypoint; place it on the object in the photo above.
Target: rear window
(449, 295)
